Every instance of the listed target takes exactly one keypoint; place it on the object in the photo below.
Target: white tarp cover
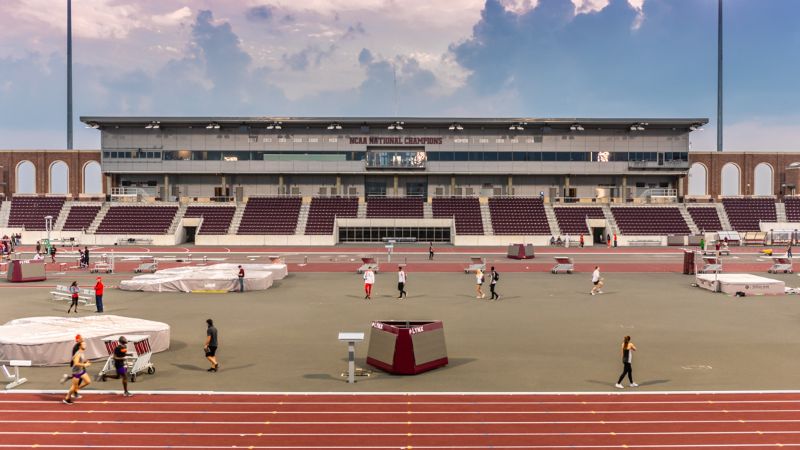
(48, 341)
(216, 277)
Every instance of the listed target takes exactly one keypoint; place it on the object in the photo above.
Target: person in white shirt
(479, 283)
(401, 282)
(369, 280)
(596, 281)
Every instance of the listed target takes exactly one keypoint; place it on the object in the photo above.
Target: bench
(14, 378)
(645, 243)
(85, 296)
(134, 241)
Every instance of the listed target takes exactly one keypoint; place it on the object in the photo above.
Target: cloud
(354, 31)
(177, 17)
(310, 56)
(260, 13)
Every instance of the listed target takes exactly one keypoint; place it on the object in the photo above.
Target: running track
(403, 421)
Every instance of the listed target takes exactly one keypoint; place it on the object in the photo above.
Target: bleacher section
(572, 219)
(745, 214)
(270, 215)
(216, 219)
(705, 218)
(80, 217)
(395, 207)
(792, 208)
(649, 220)
(137, 220)
(518, 216)
(467, 212)
(324, 210)
(29, 212)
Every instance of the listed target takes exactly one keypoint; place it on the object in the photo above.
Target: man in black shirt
(211, 345)
(120, 353)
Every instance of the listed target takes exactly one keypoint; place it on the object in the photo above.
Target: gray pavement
(545, 334)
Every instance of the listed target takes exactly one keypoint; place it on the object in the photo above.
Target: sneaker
(127, 394)
(599, 292)
(76, 395)
(67, 401)
(619, 386)
(64, 378)
(592, 293)
(633, 385)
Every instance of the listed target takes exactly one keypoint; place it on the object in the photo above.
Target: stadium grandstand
(323, 181)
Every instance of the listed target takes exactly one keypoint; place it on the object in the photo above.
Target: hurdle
(14, 377)
(781, 264)
(564, 264)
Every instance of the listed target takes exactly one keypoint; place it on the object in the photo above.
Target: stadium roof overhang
(465, 123)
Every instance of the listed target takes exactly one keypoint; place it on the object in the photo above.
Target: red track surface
(402, 421)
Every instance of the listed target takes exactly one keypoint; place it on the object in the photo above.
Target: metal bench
(85, 296)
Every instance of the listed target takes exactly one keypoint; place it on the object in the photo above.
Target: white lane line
(400, 412)
(395, 447)
(404, 422)
(404, 434)
(421, 394)
(410, 402)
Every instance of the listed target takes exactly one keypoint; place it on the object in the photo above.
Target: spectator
(73, 292)
(98, 294)
(241, 279)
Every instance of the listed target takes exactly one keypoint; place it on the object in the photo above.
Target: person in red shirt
(98, 294)
(241, 279)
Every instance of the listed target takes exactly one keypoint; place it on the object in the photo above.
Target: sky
(453, 58)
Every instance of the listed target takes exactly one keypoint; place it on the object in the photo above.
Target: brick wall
(42, 159)
(747, 162)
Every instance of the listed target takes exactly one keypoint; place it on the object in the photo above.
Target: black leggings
(628, 370)
(491, 288)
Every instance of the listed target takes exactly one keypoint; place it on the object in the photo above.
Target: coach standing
(98, 294)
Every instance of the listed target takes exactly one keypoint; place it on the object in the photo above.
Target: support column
(338, 185)
(280, 184)
(510, 185)
(167, 192)
(224, 181)
(624, 189)
(396, 180)
(680, 186)
(453, 185)
(566, 186)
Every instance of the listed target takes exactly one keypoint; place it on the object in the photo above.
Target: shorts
(122, 371)
(79, 374)
(211, 351)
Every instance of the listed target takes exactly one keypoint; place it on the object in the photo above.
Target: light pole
(48, 225)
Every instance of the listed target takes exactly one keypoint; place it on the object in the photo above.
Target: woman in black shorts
(627, 359)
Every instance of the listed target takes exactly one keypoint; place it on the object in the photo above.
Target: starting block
(781, 264)
(712, 264)
(564, 264)
(14, 377)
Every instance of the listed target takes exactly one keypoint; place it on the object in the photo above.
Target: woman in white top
(401, 282)
(369, 280)
(479, 283)
(597, 281)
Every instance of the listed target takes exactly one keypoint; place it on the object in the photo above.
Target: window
(505, 156)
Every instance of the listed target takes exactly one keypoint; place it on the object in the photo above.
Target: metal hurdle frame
(137, 361)
(13, 377)
(564, 264)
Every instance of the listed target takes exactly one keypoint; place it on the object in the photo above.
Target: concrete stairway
(182, 207)
(486, 218)
(688, 218)
(610, 219)
(552, 220)
(62, 216)
(362, 210)
(97, 220)
(237, 218)
(723, 217)
(427, 210)
(302, 219)
(5, 213)
(780, 211)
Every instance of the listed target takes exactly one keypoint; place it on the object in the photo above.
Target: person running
(241, 279)
(120, 353)
(369, 280)
(430, 251)
(73, 292)
(211, 345)
(581, 240)
(98, 294)
(493, 278)
(86, 256)
(401, 282)
(80, 379)
(53, 254)
(75, 348)
(38, 247)
(788, 250)
(627, 358)
(479, 283)
(597, 281)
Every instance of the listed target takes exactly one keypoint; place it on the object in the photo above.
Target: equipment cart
(477, 263)
(137, 361)
(147, 265)
(368, 263)
(781, 264)
(564, 264)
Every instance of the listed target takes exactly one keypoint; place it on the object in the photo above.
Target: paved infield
(546, 334)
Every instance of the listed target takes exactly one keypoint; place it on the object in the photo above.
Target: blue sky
(545, 58)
